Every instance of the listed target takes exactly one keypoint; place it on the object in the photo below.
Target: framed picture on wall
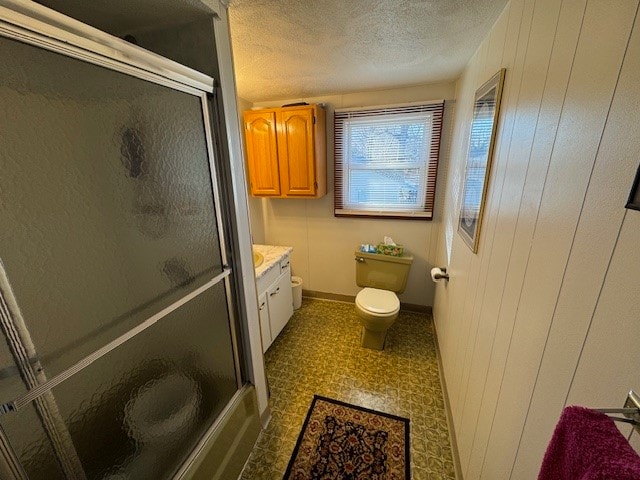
(634, 197)
(486, 109)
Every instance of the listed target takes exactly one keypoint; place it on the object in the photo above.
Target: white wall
(323, 245)
(546, 313)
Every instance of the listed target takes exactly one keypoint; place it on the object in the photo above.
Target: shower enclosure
(119, 349)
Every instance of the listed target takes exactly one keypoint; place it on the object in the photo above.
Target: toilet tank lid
(378, 301)
(407, 259)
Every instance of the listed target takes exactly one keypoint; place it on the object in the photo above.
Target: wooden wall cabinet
(286, 151)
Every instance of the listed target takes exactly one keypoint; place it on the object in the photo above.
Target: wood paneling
(514, 318)
(600, 242)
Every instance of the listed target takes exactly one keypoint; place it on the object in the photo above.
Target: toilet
(377, 305)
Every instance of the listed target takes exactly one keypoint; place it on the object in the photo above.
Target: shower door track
(34, 24)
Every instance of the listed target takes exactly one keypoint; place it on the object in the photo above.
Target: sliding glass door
(118, 348)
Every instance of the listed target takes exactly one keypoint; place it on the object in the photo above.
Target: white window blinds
(386, 160)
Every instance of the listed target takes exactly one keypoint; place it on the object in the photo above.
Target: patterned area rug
(340, 441)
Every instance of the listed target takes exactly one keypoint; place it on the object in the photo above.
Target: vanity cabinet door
(280, 301)
(265, 328)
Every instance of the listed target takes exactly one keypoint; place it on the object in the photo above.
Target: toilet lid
(378, 301)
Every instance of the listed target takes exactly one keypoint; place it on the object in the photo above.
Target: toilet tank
(382, 271)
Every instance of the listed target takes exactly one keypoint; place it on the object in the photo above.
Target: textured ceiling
(285, 49)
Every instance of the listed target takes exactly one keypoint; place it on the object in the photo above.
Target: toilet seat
(378, 302)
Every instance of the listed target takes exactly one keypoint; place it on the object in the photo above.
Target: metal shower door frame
(31, 23)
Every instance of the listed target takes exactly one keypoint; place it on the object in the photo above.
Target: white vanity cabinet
(265, 328)
(275, 301)
(280, 302)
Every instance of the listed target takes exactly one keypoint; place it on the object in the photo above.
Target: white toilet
(377, 304)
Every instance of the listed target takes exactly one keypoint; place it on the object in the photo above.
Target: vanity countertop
(272, 255)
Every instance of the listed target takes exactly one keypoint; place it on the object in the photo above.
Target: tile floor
(319, 353)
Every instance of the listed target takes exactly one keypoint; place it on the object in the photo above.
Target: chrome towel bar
(631, 411)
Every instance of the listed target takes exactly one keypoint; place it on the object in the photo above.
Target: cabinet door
(265, 328)
(280, 303)
(262, 152)
(296, 150)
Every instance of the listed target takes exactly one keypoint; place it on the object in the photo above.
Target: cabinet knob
(275, 293)
(262, 305)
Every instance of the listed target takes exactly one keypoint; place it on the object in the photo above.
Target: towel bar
(631, 411)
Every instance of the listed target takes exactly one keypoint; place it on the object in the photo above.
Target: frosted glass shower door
(117, 351)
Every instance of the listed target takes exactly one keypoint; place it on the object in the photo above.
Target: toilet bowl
(377, 305)
(377, 310)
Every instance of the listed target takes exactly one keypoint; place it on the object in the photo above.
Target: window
(386, 160)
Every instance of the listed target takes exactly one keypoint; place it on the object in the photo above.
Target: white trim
(249, 300)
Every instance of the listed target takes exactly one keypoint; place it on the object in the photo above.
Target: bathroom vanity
(275, 301)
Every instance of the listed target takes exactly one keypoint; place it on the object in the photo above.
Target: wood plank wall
(546, 314)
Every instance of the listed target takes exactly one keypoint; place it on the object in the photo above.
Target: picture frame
(482, 136)
(634, 197)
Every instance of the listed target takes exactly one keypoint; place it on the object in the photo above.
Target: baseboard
(338, 297)
(447, 407)
(413, 307)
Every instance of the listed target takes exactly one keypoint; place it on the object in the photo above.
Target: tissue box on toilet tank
(393, 250)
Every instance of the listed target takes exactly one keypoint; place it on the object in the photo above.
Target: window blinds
(386, 160)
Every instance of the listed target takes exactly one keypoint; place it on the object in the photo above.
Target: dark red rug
(340, 441)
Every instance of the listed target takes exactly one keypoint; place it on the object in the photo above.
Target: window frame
(434, 109)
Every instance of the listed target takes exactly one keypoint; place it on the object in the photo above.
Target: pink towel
(586, 445)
